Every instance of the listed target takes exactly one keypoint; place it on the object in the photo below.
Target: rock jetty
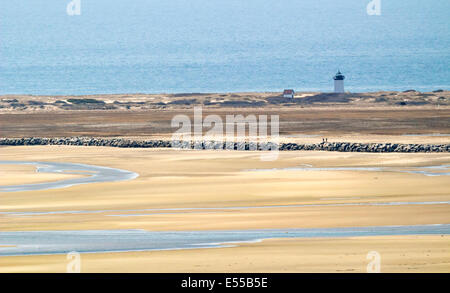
(325, 146)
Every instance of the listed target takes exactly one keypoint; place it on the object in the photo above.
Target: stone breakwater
(328, 146)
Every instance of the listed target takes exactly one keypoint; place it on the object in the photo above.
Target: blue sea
(179, 46)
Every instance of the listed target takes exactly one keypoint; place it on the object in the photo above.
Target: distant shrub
(85, 101)
(17, 105)
(418, 103)
(183, 102)
(159, 104)
(438, 91)
(380, 100)
(243, 103)
(11, 101)
(36, 103)
(208, 103)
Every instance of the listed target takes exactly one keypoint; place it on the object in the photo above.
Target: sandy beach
(411, 254)
(217, 180)
(25, 174)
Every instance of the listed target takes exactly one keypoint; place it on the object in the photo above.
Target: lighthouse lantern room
(339, 82)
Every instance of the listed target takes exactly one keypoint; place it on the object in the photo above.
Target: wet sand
(171, 179)
(215, 179)
(89, 174)
(106, 241)
(398, 254)
(25, 174)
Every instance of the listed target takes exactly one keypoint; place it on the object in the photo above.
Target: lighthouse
(339, 82)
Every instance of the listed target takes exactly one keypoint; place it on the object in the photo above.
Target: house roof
(288, 92)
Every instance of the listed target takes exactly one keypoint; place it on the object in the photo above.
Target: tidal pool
(94, 174)
(60, 242)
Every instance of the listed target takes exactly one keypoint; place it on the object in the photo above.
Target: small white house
(288, 94)
(339, 82)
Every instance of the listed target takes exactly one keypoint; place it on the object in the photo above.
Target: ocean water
(153, 46)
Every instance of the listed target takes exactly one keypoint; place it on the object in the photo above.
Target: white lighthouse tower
(339, 82)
